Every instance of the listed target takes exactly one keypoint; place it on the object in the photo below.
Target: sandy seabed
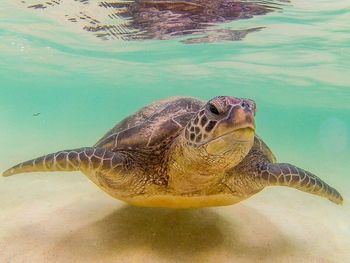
(64, 218)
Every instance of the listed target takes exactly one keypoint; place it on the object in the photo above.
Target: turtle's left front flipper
(285, 174)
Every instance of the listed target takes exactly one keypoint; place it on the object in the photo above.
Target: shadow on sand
(181, 235)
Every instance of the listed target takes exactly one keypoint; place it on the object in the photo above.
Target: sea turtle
(183, 152)
(158, 19)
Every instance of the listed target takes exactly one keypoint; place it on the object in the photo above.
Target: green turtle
(181, 153)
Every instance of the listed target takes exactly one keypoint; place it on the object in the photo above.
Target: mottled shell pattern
(153, 127)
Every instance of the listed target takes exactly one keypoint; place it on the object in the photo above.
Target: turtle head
(222, 131)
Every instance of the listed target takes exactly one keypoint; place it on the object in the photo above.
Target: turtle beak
(240, 116)
(235, 131)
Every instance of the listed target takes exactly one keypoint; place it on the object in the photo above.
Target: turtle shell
(151, 126)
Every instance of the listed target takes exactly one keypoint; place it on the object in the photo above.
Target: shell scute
(151, 125)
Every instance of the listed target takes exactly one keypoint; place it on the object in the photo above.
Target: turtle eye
(213, 109)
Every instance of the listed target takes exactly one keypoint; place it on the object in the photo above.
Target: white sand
(64, 218)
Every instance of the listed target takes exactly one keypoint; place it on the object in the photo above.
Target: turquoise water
(297, 69)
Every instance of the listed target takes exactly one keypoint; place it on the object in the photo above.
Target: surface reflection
(159, 19)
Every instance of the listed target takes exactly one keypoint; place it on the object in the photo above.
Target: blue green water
(297, 69)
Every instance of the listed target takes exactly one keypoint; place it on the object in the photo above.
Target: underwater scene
(70, 70)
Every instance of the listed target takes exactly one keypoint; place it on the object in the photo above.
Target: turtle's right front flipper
(87, 160)
(111, 171)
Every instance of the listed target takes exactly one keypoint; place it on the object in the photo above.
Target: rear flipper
(284, 174)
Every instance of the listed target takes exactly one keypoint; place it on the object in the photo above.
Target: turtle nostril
(245, 105)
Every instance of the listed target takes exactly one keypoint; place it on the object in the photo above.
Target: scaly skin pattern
(182, 153)
(285, 174)
(259, 170)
